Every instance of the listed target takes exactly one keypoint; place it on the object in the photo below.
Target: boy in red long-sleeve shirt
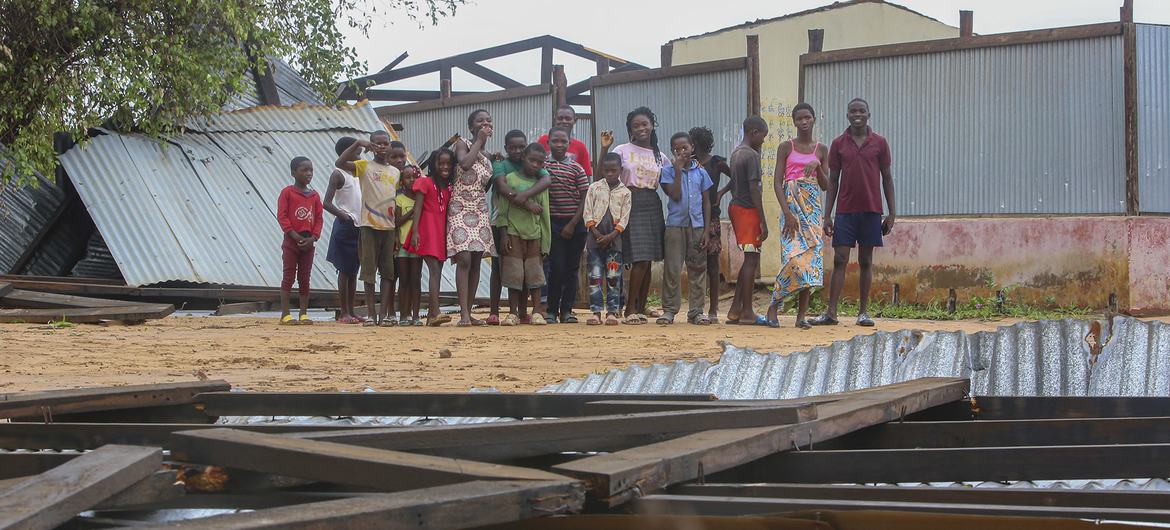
(299, 211)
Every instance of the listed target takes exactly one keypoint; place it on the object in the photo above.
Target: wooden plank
(242, 308)
(135, 313)
(57, 495)
(958, 465)
(634, 406)
(158, 487)
(13, 278)
(395, 94)
(1003, 433)
(338, 463)
(614, 78)
(465, 505)
(5, 289)
(964, 43)
(1130, 90)
(696, 505)
(485, 404)
(615, 478)
(185, 413)
(84, 436)
(1034, 408)
(17, 465)
(50, 402)
(1131, 499)
(470, 99)
(489, 75)
(21, 298)
(512, 440)
(218, 294)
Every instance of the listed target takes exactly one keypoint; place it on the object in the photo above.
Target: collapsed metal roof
(1048, 358)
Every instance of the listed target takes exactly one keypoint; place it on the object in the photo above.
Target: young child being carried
(607, 210)
(299, 211)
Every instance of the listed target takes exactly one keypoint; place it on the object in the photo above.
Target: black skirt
(642, 239)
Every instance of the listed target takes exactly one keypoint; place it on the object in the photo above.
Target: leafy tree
(148, 65)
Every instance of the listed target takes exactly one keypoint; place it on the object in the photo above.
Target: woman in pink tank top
(798, 191)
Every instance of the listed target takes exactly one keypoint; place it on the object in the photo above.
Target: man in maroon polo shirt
(859, 171)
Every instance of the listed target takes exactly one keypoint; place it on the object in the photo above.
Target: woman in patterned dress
(469, 230)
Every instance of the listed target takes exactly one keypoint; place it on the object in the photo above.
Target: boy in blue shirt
(687, 228)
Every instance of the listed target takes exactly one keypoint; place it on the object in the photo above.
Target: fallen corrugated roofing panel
(1049, 358)
(201, 206)
(25, 211)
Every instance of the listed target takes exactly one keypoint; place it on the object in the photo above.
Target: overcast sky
(635, 30)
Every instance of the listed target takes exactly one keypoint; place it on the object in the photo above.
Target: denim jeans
(605, 279)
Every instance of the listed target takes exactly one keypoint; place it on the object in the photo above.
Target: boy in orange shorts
(747, 219)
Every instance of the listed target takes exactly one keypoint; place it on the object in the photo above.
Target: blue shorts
(857, 229)
(343, 247)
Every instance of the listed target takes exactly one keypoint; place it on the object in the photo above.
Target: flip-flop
(288, 320)
(478, 322)
(593, 321)
(493, 320)
(612, 320)
(570, 319)
(863, 320)
(438, 321)
(803, 324)
(305, 320)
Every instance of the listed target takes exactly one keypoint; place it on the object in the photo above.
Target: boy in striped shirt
(566, 199)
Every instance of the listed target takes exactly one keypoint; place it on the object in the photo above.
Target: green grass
(976, 308)
(62, 324)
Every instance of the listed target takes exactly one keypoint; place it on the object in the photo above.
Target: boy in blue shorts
(859, 173)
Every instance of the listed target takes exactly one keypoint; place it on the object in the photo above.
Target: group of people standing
(537, 207)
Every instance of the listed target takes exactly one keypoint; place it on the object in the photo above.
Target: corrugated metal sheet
(1047, 358)
(716, 100)
(1153, 81)
(289, 84)
(298, 118)
(428, 129)
(25, 211)
(583, 130)
(1028, 129)
(97, 262)
(201, 207)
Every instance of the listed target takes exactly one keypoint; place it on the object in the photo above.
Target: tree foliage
(148, 65)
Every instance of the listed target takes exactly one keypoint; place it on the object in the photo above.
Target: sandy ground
(256, 354)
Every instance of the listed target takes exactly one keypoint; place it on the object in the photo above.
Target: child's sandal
(594, 320)
(612, 320)
(510, 320)
(305, 320)
(288, 320)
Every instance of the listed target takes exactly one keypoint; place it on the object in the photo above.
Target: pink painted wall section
(1149, 265)
(1066, 261)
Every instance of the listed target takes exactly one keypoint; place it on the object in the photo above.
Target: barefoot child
(716, 167)
(685, 183)
(800, 179)
(607, 210)
(378, 237)
(343, 199)
(528, 234)
(409, 264)
(747, 218)
(298, 209)
(429, 237)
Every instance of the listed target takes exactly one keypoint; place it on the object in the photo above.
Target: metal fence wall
(1024, 129)
(428, 129)
(1153, 81)
(716, 100)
